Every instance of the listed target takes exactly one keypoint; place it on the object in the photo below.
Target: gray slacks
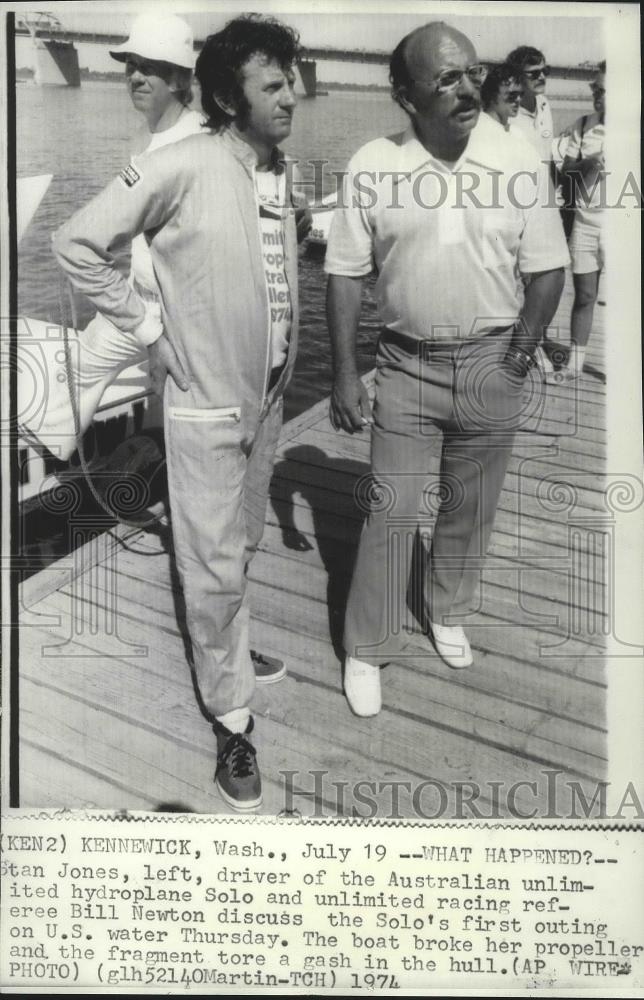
(462, 390)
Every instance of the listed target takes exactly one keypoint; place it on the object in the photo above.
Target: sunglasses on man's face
(146, 67)
(534, 74)
(513, 95)
(596, 89)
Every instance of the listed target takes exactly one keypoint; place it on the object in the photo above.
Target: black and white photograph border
(104, 713)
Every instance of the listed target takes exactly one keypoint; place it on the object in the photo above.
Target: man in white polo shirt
(446, 213)
(534, 120)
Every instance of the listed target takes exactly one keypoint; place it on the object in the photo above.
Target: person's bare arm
(542, 294)
(349, 409)
(589, 167)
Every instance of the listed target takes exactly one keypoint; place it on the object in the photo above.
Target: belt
(421, 348)
(410, 345)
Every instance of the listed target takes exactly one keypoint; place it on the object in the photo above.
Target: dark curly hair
(525, 55)
(497, 76)
(220, 62)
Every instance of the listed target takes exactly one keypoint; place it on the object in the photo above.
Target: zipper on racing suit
(267, 365)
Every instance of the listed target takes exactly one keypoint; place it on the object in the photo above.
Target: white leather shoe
(452, 645)
(362, 687)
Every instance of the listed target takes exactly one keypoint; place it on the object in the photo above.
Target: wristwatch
(519, 361)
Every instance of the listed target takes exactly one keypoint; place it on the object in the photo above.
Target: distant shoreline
(25, 74)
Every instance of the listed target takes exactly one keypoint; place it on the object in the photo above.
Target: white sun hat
(166, 38)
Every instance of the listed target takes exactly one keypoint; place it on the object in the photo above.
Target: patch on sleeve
(130, 176)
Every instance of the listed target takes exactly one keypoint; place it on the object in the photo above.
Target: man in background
(534, 124)
(219, 213)
(159, 61)
(501, 95)
(584, 165)
(457, 343)
(534, 120)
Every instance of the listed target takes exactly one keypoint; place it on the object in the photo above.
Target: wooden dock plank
(101, 741)
(539, 587)
(490, 630)
(105, 727)
(162, 723)
(71, 782)
(537, 683)
(503, 710)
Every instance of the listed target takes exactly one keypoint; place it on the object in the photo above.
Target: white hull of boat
(128, 406)
(30, 191)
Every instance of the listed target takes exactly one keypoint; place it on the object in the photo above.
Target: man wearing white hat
(159, 61)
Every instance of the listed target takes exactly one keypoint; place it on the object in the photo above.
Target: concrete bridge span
(312, 56)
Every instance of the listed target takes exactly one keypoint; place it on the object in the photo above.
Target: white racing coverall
(196, 202)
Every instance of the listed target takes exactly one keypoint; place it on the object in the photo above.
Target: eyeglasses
(596, 89)
(513, 95)
(534, 74)
(449, 79)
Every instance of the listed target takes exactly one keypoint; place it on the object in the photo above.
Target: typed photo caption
(184, 904)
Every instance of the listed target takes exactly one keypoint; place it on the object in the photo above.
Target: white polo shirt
(536, 126)
(447, 261)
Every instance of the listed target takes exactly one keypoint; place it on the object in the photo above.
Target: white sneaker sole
(271, 678)
(244, 806)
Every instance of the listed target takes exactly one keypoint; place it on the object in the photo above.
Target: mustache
(471, 105)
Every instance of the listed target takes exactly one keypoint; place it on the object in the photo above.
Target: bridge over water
(57, 40)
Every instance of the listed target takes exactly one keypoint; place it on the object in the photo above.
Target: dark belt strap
(410, 345)
(421, 348)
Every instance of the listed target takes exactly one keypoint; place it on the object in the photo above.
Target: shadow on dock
(294, 474)
(108, 714)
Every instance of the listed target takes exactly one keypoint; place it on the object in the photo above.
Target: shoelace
(238, 755)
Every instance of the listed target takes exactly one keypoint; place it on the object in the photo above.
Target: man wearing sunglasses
(534, 120)
(456, 347)
(501, 95)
